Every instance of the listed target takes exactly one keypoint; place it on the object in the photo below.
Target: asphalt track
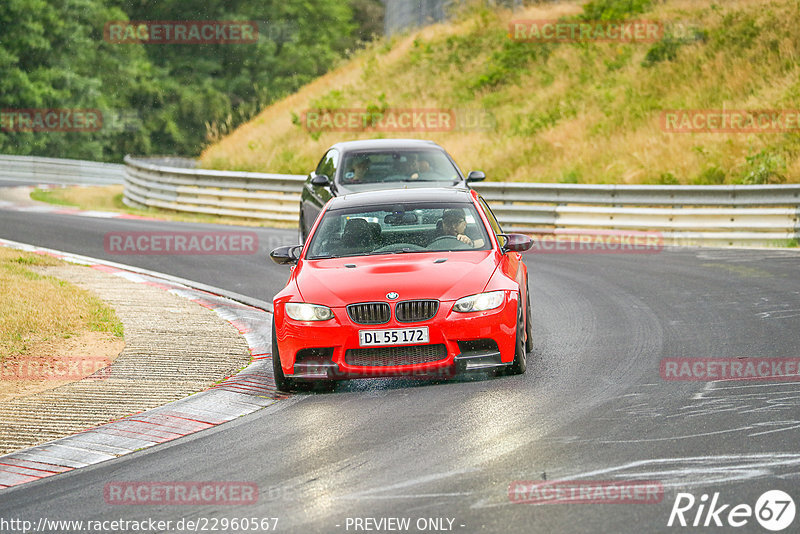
(591, 407)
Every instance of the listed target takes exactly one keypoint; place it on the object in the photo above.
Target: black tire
(528, 326)
(281, 382)
(520, 363)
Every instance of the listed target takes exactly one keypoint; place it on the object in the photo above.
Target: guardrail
(35, 169)
(273, 198)
(754, 215)
(710, 215)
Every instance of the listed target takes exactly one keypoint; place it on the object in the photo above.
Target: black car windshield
(397, 229)
(376, 166)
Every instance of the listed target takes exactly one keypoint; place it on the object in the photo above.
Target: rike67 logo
(774, 510)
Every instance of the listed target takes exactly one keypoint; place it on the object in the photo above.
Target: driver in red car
(455, 224)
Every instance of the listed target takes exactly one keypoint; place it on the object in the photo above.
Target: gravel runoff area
(174, 347)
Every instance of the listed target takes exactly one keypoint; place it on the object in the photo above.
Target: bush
(710, 176)
(667, 48)
(614, 9)
(507, 63)
(664, 50)
(666, 178)
(738, 31)
(763, 168)
(570, 177)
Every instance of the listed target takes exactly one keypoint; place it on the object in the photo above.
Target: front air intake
(369, 313)
(389, 356)
(413, 311)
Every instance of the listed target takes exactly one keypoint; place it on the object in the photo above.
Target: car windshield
(398, 228)
(376, 166)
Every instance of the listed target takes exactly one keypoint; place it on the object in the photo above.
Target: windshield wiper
(399, 251)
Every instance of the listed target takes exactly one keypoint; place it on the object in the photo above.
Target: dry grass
(109, 198)
(101, 197)
(37, 309)
(565, 113)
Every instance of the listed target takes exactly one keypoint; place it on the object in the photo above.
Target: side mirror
(320, 180)
(515, 242)
(476, 176)
(287, 254)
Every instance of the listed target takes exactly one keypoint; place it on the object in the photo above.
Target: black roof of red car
(416, 195)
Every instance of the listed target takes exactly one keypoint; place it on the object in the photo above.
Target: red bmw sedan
(402, 282)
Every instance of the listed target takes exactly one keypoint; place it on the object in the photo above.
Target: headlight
(480, 302)
(300, 311)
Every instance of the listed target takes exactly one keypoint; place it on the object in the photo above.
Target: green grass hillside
(572, 113)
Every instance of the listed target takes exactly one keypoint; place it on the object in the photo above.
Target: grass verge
(585, 112)
(103, 197)
(35, 309)
(109, 198)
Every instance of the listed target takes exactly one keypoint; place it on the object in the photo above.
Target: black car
(356, 166)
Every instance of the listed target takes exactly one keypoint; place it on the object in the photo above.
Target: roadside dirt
(173, 348)
(50, 364)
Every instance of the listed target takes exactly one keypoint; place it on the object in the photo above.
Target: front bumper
(476, 340)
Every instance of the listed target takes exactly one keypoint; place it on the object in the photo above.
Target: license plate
(399, 336)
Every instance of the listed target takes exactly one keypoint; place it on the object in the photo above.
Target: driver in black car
(455, 224)
(360, 170)
(421, 169)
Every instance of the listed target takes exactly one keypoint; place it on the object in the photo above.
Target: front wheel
(520, 363)
(281, 382)
(528, 326)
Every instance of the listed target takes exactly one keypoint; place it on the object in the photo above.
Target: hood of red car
(342, 281)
